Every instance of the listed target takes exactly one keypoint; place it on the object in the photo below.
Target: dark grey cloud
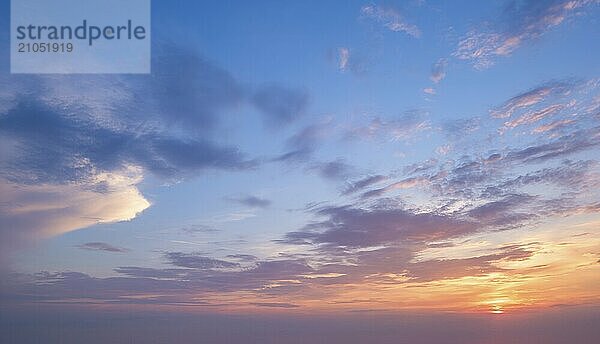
(274, 269)
(303, 143)
(189, 89)
(335, 170)
(252, 201)
(294, 156)
(66, 127)
(491, 195)
(563, 146)
(401, 233)
(198, 228)
(491, 180)
(463, 178)
(495, 174)
(185, 91)
(141, 272)
(280, 105)
(363, 183)
(198, 261)
(355, 227)
(407, 183)
(243, 257)
(101, 246)
(573, 175)
(194, 272)
(53, 147)
(57, 286)
(508, 212)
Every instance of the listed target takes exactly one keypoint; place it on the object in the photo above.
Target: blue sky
(313, 156)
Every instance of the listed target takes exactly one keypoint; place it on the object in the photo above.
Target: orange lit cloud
(39, 211)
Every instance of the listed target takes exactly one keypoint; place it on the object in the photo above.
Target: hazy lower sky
(333, 171)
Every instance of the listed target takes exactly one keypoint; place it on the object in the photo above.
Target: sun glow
(497, 309)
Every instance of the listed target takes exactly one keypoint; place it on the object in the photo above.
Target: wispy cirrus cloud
(407, 183)
(401, 128)
(343, 58)
(531, 98)
(525, 21)
(552, 126)
(554, 109)
(429, 90)
(438, 71)
(390, 18)
(534, 117)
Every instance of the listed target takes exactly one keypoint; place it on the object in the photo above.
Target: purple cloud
(353, 227)
(101, 246)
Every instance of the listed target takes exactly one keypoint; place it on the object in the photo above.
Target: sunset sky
(400, 171)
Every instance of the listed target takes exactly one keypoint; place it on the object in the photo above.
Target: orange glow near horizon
(562, 270)
(496, 310)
